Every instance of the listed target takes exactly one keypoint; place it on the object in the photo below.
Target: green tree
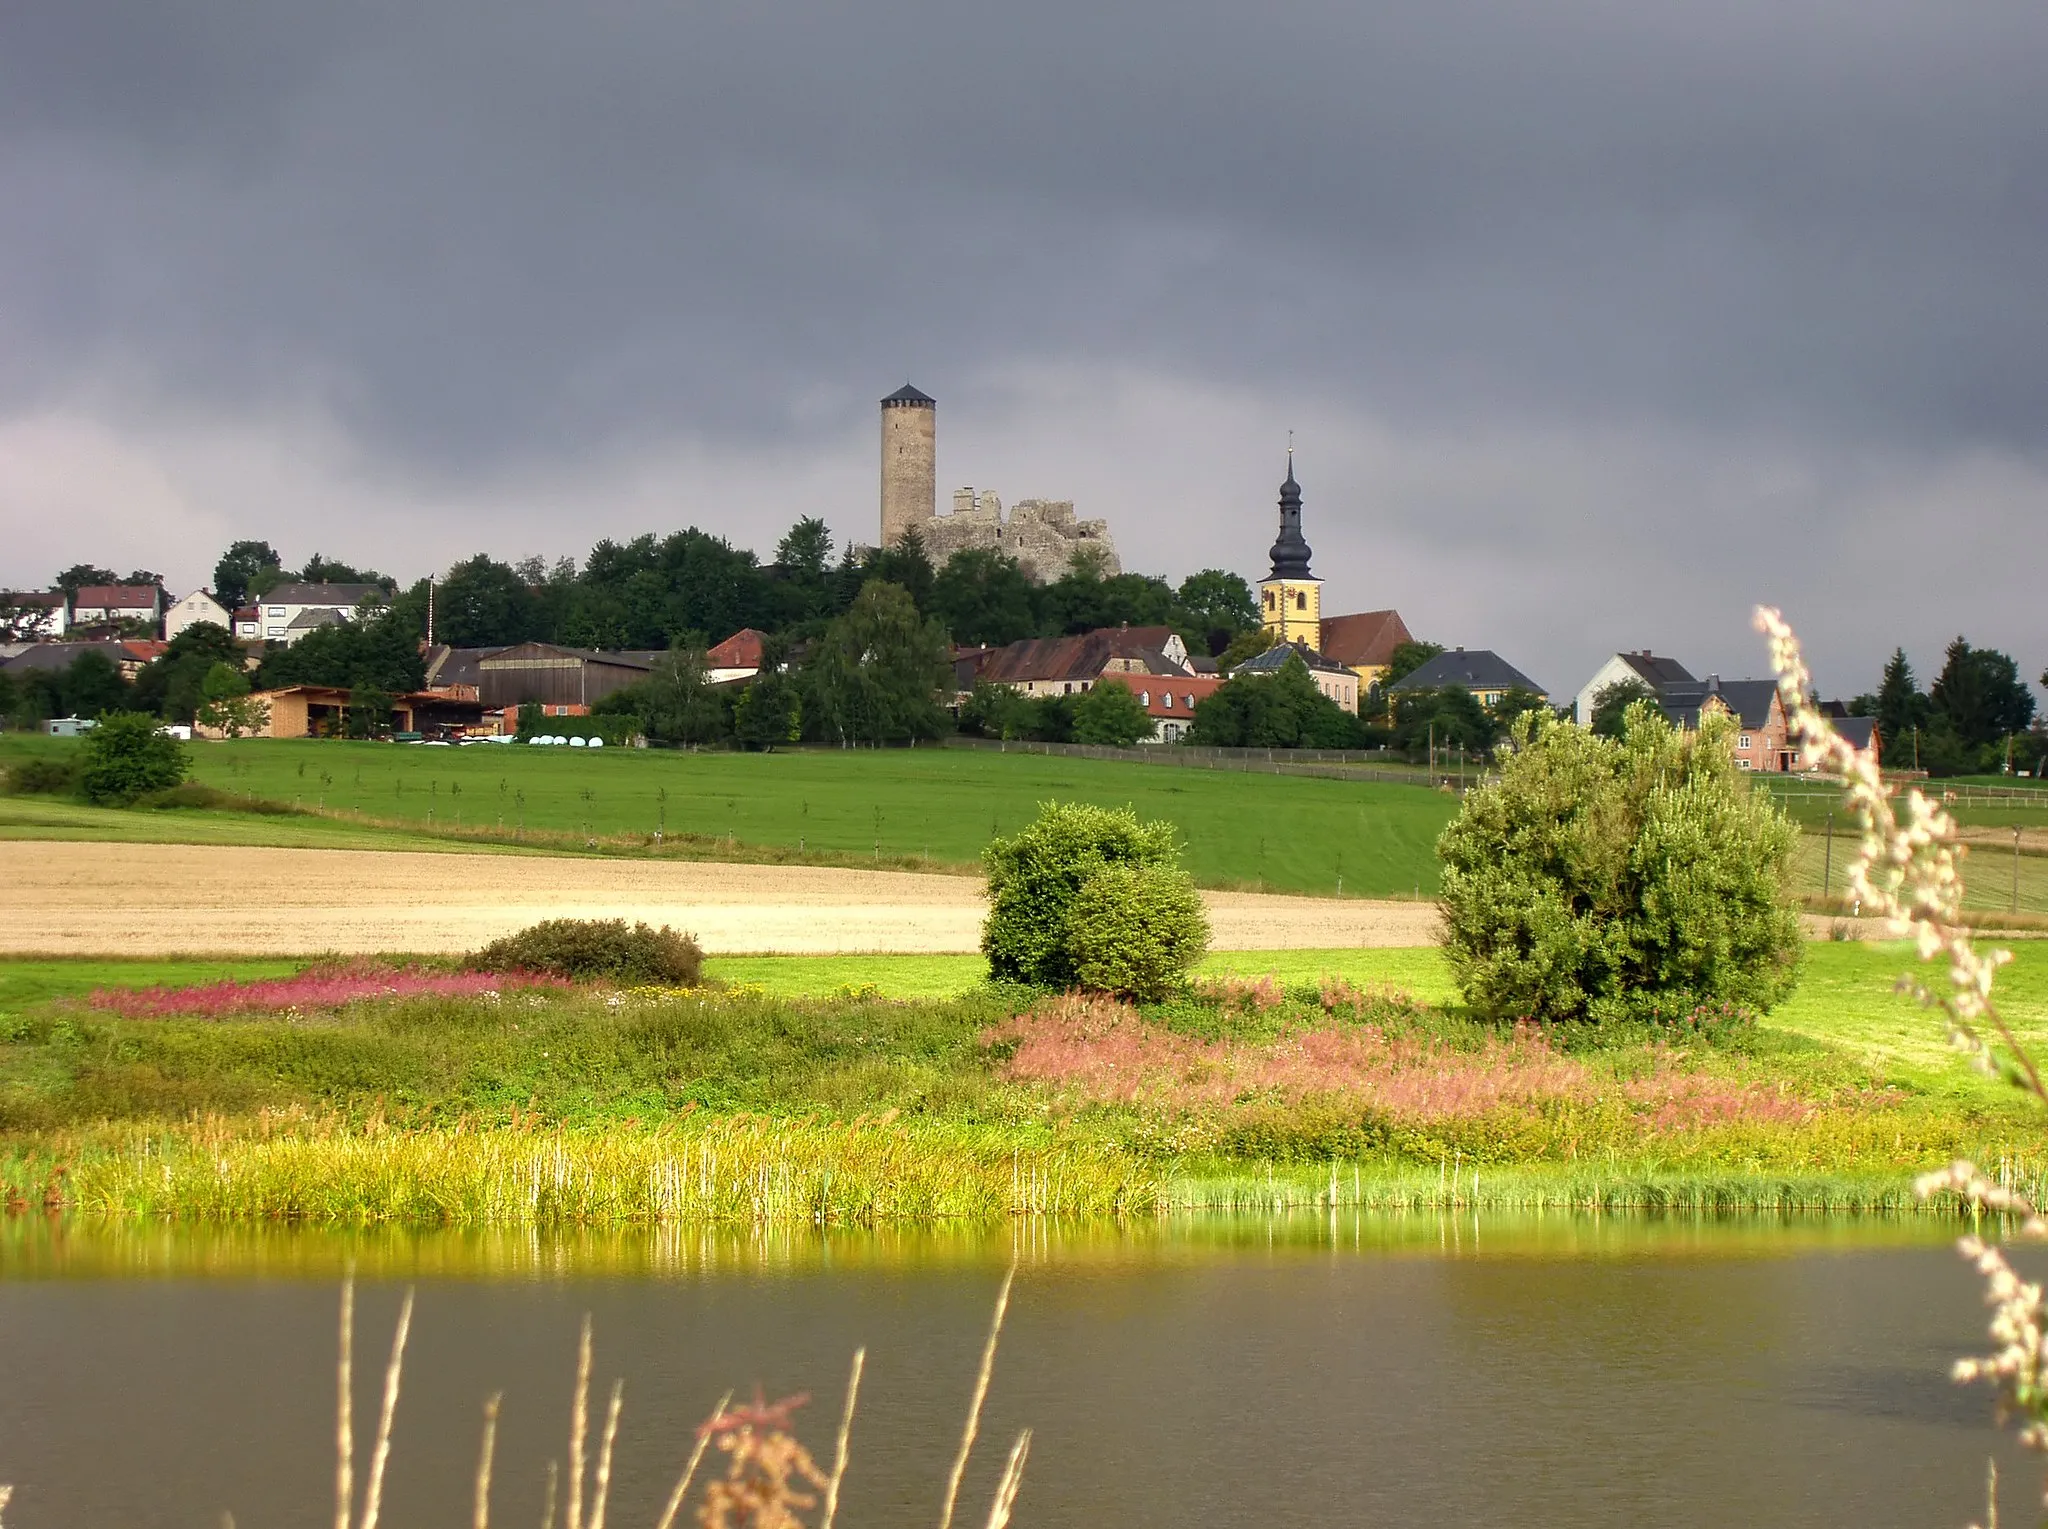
(1219, 606)
(1980, 695)
(984, 598)
(803, 565)
(79, 575)
(239, 567)
(1282, 710)
(173, 685)
(907, 565)
(1036, 877)
(381, 652)
(1615, 879)
(1246, 645)
(91, 686)
(227, 707)
(875, 675)
(768, 712)
(1900, 707)
(1109, 712)
(1449, 716)
(1406, 658)
(1611, 703)
(483, 603)
(1082, 600)
(1512, 703)
(127, 755)
(369, 712)
(997, 711)
(325, 570)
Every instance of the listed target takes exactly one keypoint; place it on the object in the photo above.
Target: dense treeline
(860, 648)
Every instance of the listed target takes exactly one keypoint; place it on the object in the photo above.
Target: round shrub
(1609, 879)
(1136, 931)
(608, 949)
(1035, 875)
(128, 754)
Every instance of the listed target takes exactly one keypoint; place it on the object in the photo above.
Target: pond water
(1416, 1371)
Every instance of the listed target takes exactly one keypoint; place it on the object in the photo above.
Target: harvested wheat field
(157, 899)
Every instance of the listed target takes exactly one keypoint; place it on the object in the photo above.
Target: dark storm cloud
(493, 227)
(496, 237)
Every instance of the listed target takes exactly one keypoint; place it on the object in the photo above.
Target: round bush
(1035, 875)
(1619, 879)
(128, 754)
(608, 949)
(1136, 931)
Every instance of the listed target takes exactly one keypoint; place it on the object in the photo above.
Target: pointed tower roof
(910, 396)
(1290, 552)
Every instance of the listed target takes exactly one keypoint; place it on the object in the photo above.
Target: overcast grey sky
(1596, 322)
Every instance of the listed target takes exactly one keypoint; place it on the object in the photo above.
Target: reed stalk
(981, 1380)
(481, 1518)
(860, 1357)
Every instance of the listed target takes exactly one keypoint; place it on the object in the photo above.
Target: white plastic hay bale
(575, 743)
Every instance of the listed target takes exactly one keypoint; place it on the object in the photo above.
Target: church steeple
(1291, 597)
(1290, 552)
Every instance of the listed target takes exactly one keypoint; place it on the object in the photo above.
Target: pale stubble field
(157, 899)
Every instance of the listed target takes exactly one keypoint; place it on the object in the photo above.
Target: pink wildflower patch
(320, 987)
(1096, 1050)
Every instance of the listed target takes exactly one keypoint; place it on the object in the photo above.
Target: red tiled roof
(118, 597)
(1186, 689)
(742, 650)
(1367, 638)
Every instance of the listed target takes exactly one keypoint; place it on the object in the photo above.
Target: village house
(1638, 668)
(196, 608)
(105, 604)
(289, 611)
(737, 658)
(1170, 701)
(1048, 666)
(1337, 681)
(37, 615)
(1481, 671)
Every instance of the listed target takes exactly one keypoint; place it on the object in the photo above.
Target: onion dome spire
(1290, 552)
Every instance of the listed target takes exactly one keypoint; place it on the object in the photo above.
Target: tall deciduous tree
(984, 598)
(1406, 658)
(239, 566)
(1611, 702)
(876, 674)
(1219, 605)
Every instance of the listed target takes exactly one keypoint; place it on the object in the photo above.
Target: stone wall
(909, 468)
(1041, 534)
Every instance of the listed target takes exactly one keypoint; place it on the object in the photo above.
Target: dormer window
(1168, 699)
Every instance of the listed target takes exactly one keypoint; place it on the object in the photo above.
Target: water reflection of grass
(38, 1247)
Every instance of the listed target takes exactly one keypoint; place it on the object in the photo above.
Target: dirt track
(155, 899)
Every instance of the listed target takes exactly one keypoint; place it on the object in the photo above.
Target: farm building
(556, 676)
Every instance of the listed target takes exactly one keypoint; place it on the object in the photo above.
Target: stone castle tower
(1291, 597)
(1043, 535)
(910, 462)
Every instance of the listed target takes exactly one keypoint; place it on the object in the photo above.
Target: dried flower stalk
(1910, 875)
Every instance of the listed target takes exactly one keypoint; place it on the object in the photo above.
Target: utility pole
(430, 610)
(1432, 753)
(1827, 874)
(2015, 868)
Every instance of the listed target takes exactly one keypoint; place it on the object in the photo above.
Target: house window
(1743, 741)
(1301, 599)
(1188, 701)
(1144, 698)
(1744, 764)
(1269, 599)
(276, 631)
(1168, 699)
(276, 611)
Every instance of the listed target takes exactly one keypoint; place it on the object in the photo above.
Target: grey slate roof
(1749, 701)
(59, 655)
(341, 596)
(1274, 659)
(911, 396)
(1657, 672)
(1471, 669)
(319, 615)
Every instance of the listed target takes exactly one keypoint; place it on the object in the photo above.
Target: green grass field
(793, 1101)
(1282, 833)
